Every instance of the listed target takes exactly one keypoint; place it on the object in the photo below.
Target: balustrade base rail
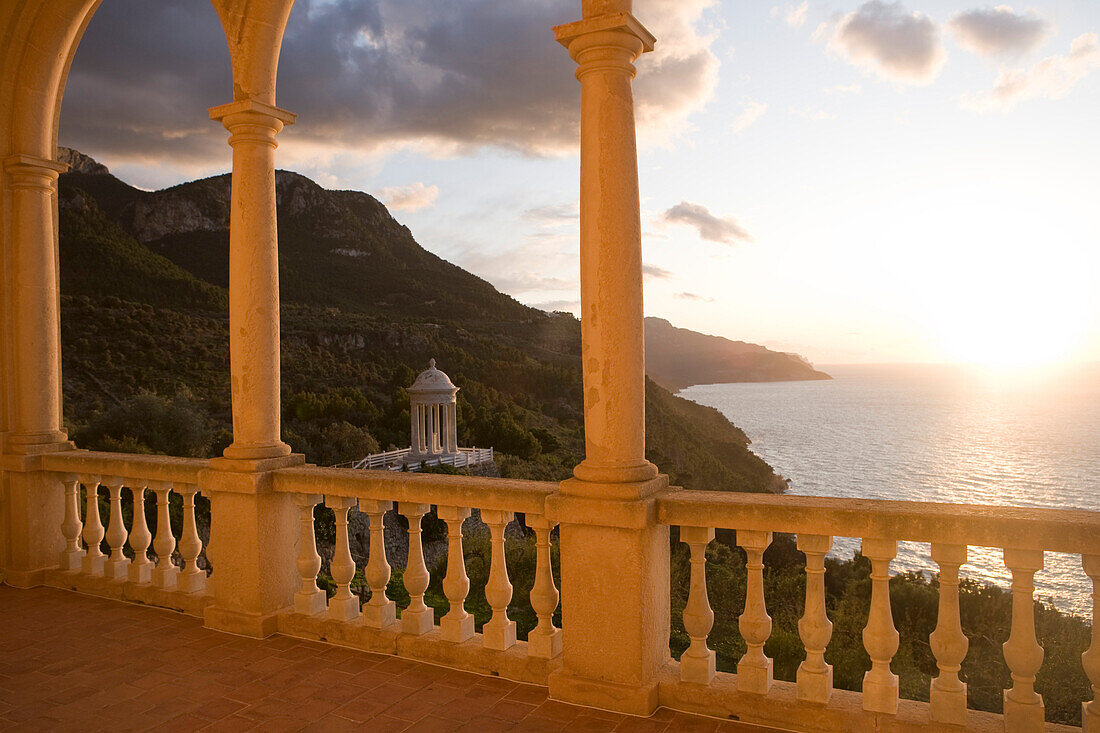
(781, 708)
(146, 594)
(514, 663)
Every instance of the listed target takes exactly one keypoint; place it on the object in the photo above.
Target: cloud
(888, 40)
(710, 227)
(695, 297)
(1000, 31)
(656, 273)
(753, 111)
(1052, 78)
(794, 15)
(812, 114)
(566, 306)
(409, 198)
(844, 89)
(370, 75)
(553, 213)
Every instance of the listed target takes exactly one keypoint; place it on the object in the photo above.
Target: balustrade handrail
(126, 466)
(1054, 530)
(497, 494)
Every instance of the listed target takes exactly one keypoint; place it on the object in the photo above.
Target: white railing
(397, 460)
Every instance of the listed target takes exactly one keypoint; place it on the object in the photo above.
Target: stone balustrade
(1023, 534)
(138, 486)
(377, 625)
(114, 550)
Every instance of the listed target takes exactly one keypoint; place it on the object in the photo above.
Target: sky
(855, 181)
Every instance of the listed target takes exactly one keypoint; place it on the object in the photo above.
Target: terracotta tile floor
(73, 662)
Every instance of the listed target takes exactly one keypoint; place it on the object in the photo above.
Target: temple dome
(433, 380)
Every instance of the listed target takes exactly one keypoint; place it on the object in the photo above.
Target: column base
(1090, 717)
(72, 561)
(380, 617)
(189, 582)
(343, 609)
(417, 622)
(256, 625)
(93, 565)
(500, 636)
(456, 630)
(698, 670)
(754, 678)
(629, 699)
(236, 452)
(814, 687)
(1021, 717)
(880, 697)
(165, 577)
(310, 604)
(544, 646)
(117, 569)
(141, 574)
(947, 706)
(25, 578)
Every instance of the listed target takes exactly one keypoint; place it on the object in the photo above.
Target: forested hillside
(145, 338)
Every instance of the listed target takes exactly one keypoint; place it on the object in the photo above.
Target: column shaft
(35, 379)
(254, 279)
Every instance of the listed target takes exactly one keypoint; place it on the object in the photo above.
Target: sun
(1014, 329)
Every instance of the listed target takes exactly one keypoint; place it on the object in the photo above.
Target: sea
(935, 433)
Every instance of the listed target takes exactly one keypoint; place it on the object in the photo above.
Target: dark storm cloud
(365, 74)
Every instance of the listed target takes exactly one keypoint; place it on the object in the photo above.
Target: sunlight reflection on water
(933, 433)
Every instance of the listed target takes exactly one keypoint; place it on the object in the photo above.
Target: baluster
(309, 600)
(72, 556)
(697, 663)
(344, 606)
(1024, 709)
(417, 618)
(192, 578)
(94, 559)
(499, 633)
(141, 569)
(457, 625)
(544, 641)
(1090, 660)
(947, 697)
(379, 612)
(754, 671)
(815, 676)
(165, 574)
(116, 568)
(880, 638)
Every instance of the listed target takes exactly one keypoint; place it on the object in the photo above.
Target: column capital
(30, 171)
(252, 112)
(613, 30)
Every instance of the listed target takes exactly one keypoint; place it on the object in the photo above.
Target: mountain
(145, 337)
(676, 358)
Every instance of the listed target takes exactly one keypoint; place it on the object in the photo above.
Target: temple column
(615, 606)
(254, 279)
(32, 506)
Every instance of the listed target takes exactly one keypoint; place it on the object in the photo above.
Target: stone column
(615, 602)
(613, 341)
(414, 428)
(254, 279)
(35, 378)
(32, 508)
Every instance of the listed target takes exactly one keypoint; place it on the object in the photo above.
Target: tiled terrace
(70, 662)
